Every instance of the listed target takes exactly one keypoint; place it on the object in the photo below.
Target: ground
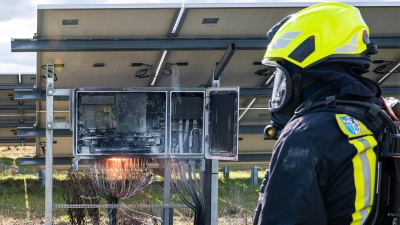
(22, 197)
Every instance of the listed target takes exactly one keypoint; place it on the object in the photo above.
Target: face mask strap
(295, 76)
(296, 79)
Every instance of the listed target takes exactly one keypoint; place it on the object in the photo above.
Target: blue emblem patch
(351, 124)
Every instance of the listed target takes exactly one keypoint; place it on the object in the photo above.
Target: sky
(18, 19)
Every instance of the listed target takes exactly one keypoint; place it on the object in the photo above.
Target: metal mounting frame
(151, 44)
(50, 126)
(211, 166)
(214, 80)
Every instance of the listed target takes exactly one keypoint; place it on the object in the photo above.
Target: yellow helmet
(329, 30)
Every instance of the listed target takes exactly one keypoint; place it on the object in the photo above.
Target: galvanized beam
(254, 157)
(266, 92)
(251, 129)
(17, 140)
(231, 49)
(16, 86)
(149, 44)
(386, 42)
(255, 92)
(41, 95)
(388, 91)
(36, 96)
(41, 132)
(156, 44)
(225, 60)
(30, 161)
(17, 107)
(36, 161)
(12, 125)
(244, 92)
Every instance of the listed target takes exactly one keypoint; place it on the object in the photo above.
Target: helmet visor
(281, 89)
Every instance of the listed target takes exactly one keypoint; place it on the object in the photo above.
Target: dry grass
(16, 188)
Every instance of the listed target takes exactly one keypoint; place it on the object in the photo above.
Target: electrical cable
(183, 198)
(175, 185)
(186, 134)
(142, 73)
(181, 136)
(43, 147)
(185, 185)
(198, 187)
(190, 184)
(379, 69)
(197, 199)
(168, 69)
(263, 72)
(49, 71)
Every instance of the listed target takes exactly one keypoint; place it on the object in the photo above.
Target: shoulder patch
(351, 127)
(351, 124)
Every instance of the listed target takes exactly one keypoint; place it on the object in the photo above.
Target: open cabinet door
(222, 123)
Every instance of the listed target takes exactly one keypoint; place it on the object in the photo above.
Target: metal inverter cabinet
(120, 122)
(155, 122)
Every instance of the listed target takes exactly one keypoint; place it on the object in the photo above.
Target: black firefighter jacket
(323, 166)
(322, 172)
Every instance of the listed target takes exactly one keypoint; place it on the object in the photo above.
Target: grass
(22, 197)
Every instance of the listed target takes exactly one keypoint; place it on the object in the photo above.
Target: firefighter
(323, 165)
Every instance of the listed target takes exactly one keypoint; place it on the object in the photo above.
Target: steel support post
(42, 177)
(254, 175)
(112, 211)
(226, 172)
(167, 216)
(210, 182)
(210, 192)
(49, 147)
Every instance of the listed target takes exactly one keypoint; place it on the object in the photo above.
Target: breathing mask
(285, 98)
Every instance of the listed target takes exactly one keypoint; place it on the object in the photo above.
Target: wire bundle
(119, 178)
(186, 177)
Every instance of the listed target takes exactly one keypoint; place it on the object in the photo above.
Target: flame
(120, 168)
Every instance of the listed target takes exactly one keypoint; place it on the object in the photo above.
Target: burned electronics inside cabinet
(187, 109)
(156, 122)
(120, 123)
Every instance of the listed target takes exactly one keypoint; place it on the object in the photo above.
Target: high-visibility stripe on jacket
(364, 164)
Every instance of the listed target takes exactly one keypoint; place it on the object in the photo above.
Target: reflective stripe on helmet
(280, 43)
(283, 41)
(346, 48)
(291, 35)
(350, 47)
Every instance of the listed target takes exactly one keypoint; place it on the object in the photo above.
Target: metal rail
(19, 170)
(107, 206)
(156, 44)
